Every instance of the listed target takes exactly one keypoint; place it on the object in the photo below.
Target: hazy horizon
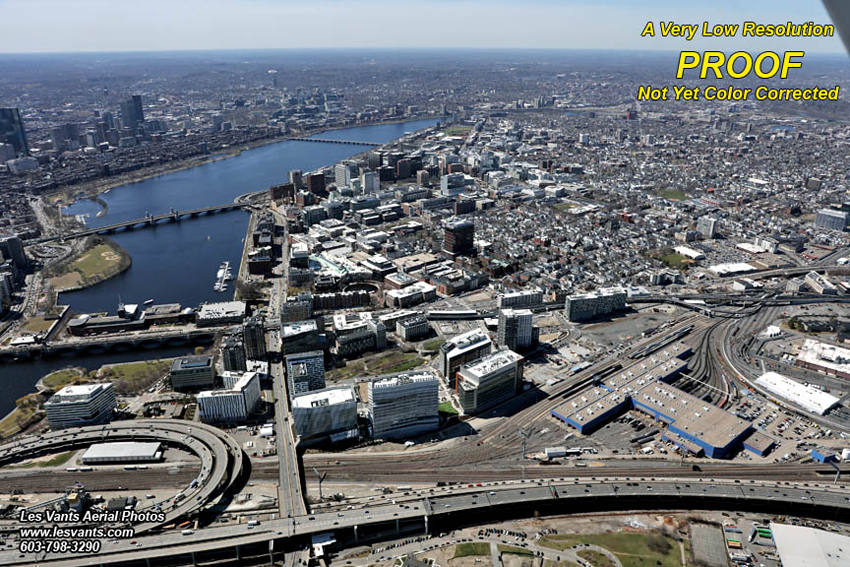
(120, 26)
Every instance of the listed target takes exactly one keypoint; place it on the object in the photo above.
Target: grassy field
(632, 549)
(550, 563)
(97, 264)
(674, 260)
(447, 407)
(395, 362)
(60, 378)
(565, 206)
(143, 370)
(350, 370)
(514, 550)
(433, 344)
(598, 559)
(457, 130)
(10, 424)
(474, 548)
(55, 461)
(672, 194)
(37, 325)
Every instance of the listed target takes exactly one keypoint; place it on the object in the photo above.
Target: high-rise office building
(707, 226)
(330, 412)
(233, 353)
(515, 329)
(459, 237)
(489, 381)
(132, 114)
(461, 349)
(231, 405)
(296, 178)
(586, 306)
(305, 372)
(87, 404)
(370, 182)
(12, 130)
(254, 337)
(404, 404)
(344, 172)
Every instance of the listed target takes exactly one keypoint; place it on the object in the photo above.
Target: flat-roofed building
(191, 372)
(123, 452)
(300, 336)
(824, 357)
(86, 404)
(461, 349)
(232, 405)
(223, 313)
(522, 298)
(806, 397)
(831, 219)
(586, 306)
(820, 284)
(489, 381)
(412, 328)
(403, 404)
(305, 372)
(325, 413)
(515, 330)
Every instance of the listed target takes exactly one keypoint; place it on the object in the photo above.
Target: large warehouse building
(798, 546)
(808, 398)
(123, 452)
(692, 424)
(826, 358)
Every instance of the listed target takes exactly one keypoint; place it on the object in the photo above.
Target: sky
(163, 25)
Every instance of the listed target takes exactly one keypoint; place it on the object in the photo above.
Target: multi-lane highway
(220, 457)
(451, 506)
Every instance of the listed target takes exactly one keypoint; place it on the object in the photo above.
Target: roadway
(220, 456)
(466, 505)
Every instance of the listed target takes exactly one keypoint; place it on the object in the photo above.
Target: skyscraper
(254, 336)
(305, 372)
(459, 236)
(515, 330)
(233, 353)
(132, 114)
(12, 130)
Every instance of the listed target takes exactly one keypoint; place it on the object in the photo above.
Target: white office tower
(74, 406)
(489, 381)
(331, 412)
(404, 404)
(370, 182)
(515, 328)
(232, 405)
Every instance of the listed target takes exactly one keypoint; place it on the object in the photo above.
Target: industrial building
(192, 372)
(461, 349)
(87, 404)
(692, 424)
(806, 397)
(123, 452)
(587, 306)
(305, 372)
(489, 381)
(403, 404)
(515, 330)
(831, 219)
(329, 412)
(799, 546)
(825, 358)
(232, 405)
(820, 284)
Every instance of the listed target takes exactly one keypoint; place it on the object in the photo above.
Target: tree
(658, 543)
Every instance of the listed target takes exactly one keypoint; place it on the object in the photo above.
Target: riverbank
(68, 195)
(102, 259)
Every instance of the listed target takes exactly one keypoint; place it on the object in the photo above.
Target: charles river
(177, 262)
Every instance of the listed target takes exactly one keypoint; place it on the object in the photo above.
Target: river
(177, 262)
